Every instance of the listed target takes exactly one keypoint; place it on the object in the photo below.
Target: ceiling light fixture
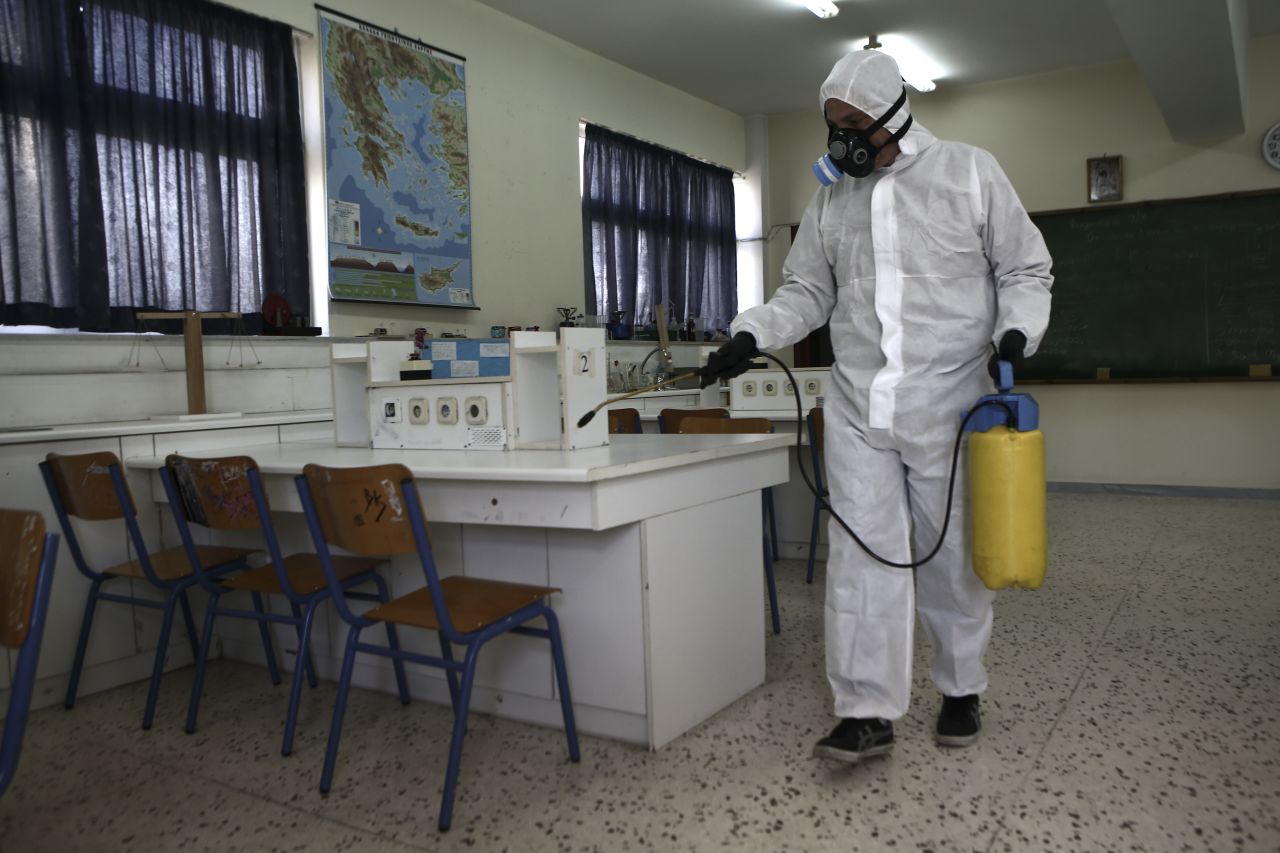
(916, 66)
(821, 8)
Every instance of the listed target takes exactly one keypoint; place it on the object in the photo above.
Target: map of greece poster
(398, 201)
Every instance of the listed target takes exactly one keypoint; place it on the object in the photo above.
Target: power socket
(447, 410)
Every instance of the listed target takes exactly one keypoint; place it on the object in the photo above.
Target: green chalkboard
(1181, 289)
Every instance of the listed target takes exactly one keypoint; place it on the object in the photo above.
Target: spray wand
(657, 386)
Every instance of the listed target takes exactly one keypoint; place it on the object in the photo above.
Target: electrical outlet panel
(450, 416)
(477, 411)
(772, 393)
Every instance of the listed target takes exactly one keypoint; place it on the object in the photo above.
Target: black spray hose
(951, 484)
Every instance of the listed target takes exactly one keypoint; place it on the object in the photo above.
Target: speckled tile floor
(1134, 705)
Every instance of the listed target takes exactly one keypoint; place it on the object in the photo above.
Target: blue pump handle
(1005, 383)
(1018, 411)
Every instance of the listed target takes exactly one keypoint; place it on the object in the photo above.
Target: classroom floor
(1134, 705)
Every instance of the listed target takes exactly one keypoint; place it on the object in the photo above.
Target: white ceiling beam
(1192, 55)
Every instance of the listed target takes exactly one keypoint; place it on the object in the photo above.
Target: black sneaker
(959, 721)
(854, 739)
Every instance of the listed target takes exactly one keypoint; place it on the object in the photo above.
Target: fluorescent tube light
(821, 8)
(917, 67)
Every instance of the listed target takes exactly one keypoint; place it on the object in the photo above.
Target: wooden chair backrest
(361, 509)
(624, 421)
(671, 418)
(216, 492)
(725, 426)
(85, 487)
(21, 550)
(816, 414)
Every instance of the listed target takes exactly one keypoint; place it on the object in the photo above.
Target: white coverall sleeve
(1019, 259)
(808, 295)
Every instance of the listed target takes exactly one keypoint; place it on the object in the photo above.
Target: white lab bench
(654, 540)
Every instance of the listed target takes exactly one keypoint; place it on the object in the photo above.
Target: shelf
(351, 359)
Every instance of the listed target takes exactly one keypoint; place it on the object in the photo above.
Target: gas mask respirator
(851, 152)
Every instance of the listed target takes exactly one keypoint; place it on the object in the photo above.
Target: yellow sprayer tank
(1007, 506)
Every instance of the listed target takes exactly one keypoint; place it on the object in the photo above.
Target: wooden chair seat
(172, 564)
(473, 603)
(304, 571)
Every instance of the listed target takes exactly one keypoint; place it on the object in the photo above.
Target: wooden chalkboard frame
(1149, 203)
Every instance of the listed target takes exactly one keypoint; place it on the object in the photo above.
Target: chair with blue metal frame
(91, 487)
(814, 423)
(624, 422)
(725, 426)
(669, 419)
(227, 494)
(27, 558)
(377, 510)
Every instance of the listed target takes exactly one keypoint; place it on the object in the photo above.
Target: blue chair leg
(768, 568)
(202, 663)
(446, 652)
(265, 632)
(82, 644)
(304, 647)
(157, 669)
(562, 684)
(393, 642)
(773, 596)
(773, 520)
(295, 686)
(813, 540)
(192, 636)
(339, 710)
(455, 745)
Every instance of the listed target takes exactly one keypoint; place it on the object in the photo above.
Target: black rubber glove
(1011, 347)
(732, 359)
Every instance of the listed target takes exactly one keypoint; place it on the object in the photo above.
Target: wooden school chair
(376, 510)
(814, 424)
(227, 494)
(669, 419)
(741, 426)
(624, 422)
(27, 558)
(91, 487)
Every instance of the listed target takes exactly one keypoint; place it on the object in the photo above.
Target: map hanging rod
(335, 13)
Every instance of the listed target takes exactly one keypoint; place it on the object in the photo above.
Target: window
(658, 227)
(151, 158)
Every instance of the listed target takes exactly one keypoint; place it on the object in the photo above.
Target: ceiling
(769, 56)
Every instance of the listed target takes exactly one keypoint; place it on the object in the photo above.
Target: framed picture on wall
(1105, 180)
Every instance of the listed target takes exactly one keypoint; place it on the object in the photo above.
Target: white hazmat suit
(919, 268)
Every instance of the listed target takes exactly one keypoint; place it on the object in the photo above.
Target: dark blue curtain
(150, 159)
(657, 227)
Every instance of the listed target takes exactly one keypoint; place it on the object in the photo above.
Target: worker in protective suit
(928, 269)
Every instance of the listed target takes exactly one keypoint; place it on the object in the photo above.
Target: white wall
(1042, 129)
(75, 379)
(526, 92)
